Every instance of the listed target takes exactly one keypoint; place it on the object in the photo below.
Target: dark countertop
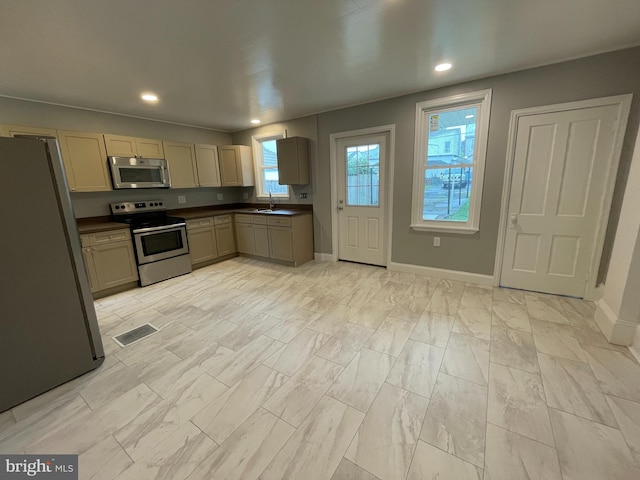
(98, 224)
(101, 224)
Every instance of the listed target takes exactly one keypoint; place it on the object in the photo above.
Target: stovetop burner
(145, 214)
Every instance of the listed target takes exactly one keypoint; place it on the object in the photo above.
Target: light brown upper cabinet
(122, 146)
(182, 164)
(13, 130)
(236, 166)
(85, 161)
(293, 161)
(208, 167)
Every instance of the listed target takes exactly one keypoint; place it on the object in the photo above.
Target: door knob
(513, 220)
(340, 205)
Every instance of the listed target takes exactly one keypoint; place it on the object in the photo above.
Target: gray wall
(598, 76)
(301, 127)
(20, 112)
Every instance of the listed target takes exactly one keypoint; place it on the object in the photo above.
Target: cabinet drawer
(242, 218)
(110, 236)
(222, 219)
(259, 219)
(199, 222)
(280, 221)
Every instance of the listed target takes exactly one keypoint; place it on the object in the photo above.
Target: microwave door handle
(165, 175)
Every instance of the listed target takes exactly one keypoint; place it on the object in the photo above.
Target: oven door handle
(173, 226)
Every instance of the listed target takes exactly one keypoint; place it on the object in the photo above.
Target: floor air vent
(132, 336)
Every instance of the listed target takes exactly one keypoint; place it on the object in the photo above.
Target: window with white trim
(265, 159)
(450, 150)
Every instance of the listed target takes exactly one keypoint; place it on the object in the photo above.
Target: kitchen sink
(260, 210)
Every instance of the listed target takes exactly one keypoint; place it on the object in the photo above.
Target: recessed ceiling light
(443, 67)
(149, 97)
(255, 121)
(468, 116)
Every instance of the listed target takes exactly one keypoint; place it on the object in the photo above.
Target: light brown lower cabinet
(225, 239)
(210, 238)
(284, 238)
(109, 259)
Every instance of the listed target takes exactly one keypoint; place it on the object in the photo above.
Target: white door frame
(624, 105)
(388, 188)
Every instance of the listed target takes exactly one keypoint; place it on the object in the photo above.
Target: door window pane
(363, 175)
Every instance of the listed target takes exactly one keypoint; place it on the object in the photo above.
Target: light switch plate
(245, 196)
(220, 196)
(436, 241)
(182, 199)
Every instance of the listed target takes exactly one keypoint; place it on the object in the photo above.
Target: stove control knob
(160, 203)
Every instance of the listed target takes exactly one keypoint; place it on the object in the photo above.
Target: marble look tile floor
(337, 371)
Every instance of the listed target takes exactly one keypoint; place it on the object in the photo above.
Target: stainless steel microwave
(133, 172)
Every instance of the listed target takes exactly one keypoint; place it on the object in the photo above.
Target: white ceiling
(219, 63)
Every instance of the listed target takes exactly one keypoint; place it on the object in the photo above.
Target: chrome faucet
(271, 204)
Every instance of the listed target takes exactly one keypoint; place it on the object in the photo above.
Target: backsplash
(96, 204)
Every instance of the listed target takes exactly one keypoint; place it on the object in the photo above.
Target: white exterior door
(561, 162)
(361, 165)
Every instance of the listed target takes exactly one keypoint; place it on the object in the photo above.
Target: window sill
(444, 229)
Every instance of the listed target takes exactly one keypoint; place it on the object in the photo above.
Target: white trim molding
(256, 146)
(333, 138)
(617, 330)
(624, 105)
(324, 257)
(480, 100)
(468, 277)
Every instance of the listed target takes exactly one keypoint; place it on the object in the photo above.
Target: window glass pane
(446, 194)
(269, 153)
(270, 182)
(363, 175)
(451, 137)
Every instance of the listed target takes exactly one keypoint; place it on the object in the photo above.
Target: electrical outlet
(436, 241)
(245, 195)
(303, 195)
(182, 199)
(220, 196)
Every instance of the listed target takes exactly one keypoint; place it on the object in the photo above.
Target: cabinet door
(230, 168)
(293, 161)
(202, 245)
(85, 161)
(182, 164)
(246, 243)
(120, 146)
(87, 256)
(261, 240)
(281, 243)
(13, 130)
(115, 264)
(207, 163)
(149, 148)
(224, 239)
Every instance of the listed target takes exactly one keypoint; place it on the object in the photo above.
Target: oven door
(159, 243)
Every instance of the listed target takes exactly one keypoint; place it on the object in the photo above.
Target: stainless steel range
(162, 250)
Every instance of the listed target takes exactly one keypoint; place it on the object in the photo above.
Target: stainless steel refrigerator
(48, 328)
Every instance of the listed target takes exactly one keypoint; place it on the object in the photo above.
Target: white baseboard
(468, 277)
(324, 257)
(616, 330)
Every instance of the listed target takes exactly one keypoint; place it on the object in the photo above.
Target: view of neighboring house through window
(449, 162)
(363, 175)
(266, 165)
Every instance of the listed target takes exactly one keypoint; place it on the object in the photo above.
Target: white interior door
(558, 184)
(361, 169)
